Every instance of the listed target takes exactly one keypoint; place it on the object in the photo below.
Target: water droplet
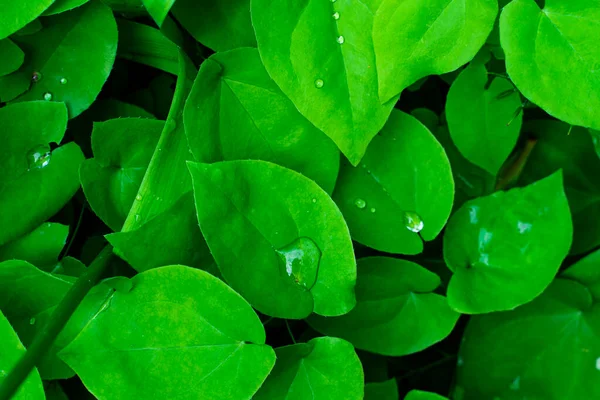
(460, 362)
(516, 384)
(138, 197)
(473, 216)
(36, 76)
(336, 15)
(340, 39)
(333, 1)
(300, 260)
(319, 83)
(314, 200)
(39, 157)
(47, 96)
(63, 81)
(373, 210)
(413, 222)
(32, 321)
(137, 217)
(360, 203)
(3, 372)
(598, 363)
(524, 227)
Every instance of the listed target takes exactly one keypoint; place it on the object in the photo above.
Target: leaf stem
(66, 250)
(287, 324)
(45, 338)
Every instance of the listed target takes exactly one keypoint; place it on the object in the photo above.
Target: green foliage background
(300, 199)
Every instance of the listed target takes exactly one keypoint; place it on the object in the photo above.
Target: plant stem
(287, 324)
(45, 338)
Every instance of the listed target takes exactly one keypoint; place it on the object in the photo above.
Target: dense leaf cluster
(300, 199)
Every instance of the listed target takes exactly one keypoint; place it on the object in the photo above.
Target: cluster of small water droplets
(39, 157)
(413, 222)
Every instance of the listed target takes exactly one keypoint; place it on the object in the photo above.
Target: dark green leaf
(236, 112)
(187, 333)
(387, 390)
(402, 193)
(397, 312)
(60, 6)
(505, 249)
(12, 57)
(420, 395)
(221, 25)
(40, 247)
(158, 9)
(277, 238)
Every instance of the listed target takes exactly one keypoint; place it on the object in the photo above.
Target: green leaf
(12, 57)
(387, 390)
(402, 193)
(73, 55)
(324, 368)
(13, 85)
(187, 333)
(552, 55)
(413, 39)
(396, 305)
(550, 347)
(163, 216)
(333, 84)
(36, 182)
(420, 395)
(146, 45)
(505, 249)
(571, 149)
(12, 350)
(236, 112)
(122, 148)
(17, 14)
(60, 6)
(158, 9)
(41, 247)
(482, 119)
(220, 25)
(270, 227)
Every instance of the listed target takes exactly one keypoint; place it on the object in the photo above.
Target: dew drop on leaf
(360, 203)
(63, 81)
(47, 96)
(319, 83)
(32, 321)
(336, 16)
(38, 157)
(413, 222)
(373, 210)
(138, 197)
(300, 261)
(516, 384)
(340, 39)
(598, 363)
(36, 76)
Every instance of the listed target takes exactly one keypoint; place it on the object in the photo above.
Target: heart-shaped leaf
(325, 367)
(321, 55)
(277, 238)
(403, 191)
(505, 249)
(396, 305)
(187, 333)
(553, 57)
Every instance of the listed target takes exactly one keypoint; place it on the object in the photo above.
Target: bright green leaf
(122, 149)
(505, 249)
(481, 117)
(17, 14)
(60, 6)
(236, 112)
(320, 53)
(553, 56)
(277, 238)
(397, 312)
(413, 39)
(187, 333)
(11, 350)
(36, 181)
(421, 395)
(323, 368)
(403, 191)
(73, 55)
(158, 9)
